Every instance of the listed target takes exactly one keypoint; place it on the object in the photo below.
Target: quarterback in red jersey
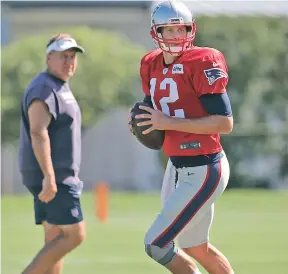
(176, 90)
(185, 86)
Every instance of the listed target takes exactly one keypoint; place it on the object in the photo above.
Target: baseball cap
(64, 44)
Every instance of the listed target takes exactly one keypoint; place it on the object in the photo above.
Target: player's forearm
(42, 151)
(213, 124)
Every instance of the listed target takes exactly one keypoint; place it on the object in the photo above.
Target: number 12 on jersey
(170, 85)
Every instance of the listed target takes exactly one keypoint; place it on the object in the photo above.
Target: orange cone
(102, 201)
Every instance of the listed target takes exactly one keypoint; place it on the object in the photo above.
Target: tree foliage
(105, 78)
(256, 52)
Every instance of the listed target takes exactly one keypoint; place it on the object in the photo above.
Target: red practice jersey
(175, 89)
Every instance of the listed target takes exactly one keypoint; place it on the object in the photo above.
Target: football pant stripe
(207, 189)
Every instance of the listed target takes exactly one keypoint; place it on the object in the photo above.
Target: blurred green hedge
(256, 50)
(106, 74)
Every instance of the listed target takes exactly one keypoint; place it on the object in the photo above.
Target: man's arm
(214, 124)
(220, 119)
(39, 119)
(210, 81)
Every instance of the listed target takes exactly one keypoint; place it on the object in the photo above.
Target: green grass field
(250, 227)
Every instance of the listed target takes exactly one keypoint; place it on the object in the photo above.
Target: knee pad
(161, 255)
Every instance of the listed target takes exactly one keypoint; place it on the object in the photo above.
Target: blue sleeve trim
(217, 104)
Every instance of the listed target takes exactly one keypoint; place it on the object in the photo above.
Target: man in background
(50, 155)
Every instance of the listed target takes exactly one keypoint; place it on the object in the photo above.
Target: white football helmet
(171, 13)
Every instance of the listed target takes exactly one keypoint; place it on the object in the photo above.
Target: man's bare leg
(182, 264)
(210, 258)
(69, 238)
(51, 232)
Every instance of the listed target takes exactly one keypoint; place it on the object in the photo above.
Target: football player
(186, 88)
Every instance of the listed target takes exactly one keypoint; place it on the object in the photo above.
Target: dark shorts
(64, 209)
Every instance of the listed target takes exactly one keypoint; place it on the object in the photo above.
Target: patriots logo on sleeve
(213, 74)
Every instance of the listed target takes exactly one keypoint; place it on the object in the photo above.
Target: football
(152, 140)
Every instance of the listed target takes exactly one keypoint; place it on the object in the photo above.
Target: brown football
(152, 140)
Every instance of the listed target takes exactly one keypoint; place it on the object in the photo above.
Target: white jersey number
(173, 96)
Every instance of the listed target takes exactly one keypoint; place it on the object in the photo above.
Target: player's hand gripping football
(158, 120)
(49, 189)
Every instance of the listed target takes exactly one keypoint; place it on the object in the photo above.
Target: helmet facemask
(175, 46)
